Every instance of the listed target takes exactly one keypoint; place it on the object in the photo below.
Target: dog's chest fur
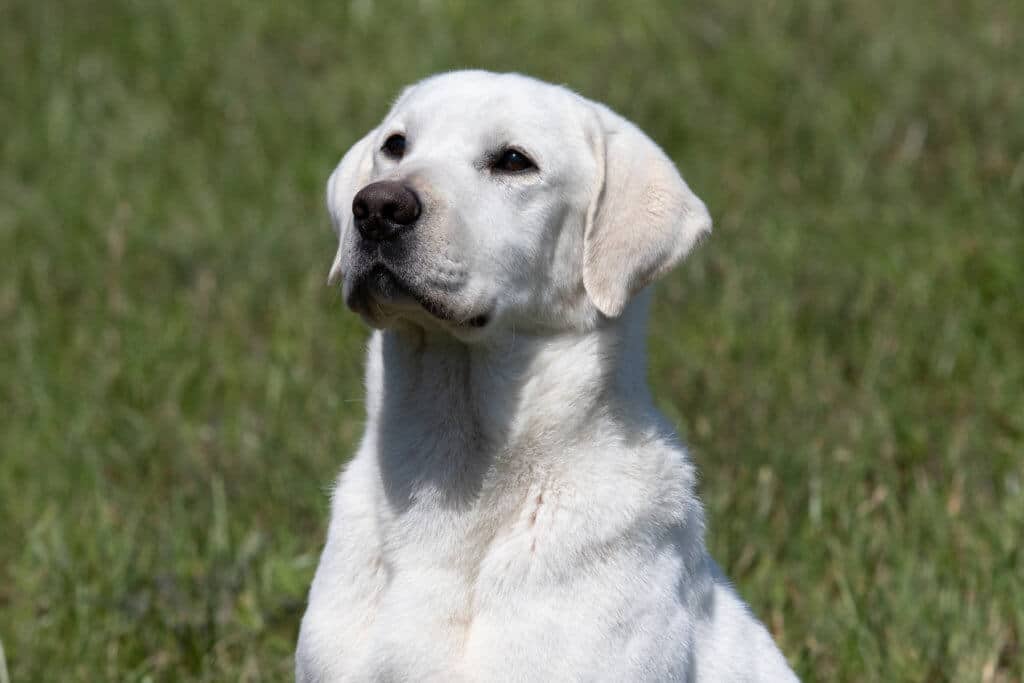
(461, 542)
(508, 587)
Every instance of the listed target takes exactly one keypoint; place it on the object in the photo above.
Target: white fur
(518, 510)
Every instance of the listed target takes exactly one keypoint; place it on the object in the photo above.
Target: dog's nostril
(359, 209)
(403, 208)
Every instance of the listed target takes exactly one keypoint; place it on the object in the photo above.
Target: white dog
(517, 510)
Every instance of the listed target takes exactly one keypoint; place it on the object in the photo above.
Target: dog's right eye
(394, 146)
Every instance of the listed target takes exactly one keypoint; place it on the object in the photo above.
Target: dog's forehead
(475, 101)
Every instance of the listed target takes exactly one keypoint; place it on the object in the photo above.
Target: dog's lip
(382, 282)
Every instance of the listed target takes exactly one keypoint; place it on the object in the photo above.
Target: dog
(517, 509)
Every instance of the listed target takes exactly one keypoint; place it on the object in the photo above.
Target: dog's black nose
(383, 209)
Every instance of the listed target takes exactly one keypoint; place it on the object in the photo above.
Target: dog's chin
(374, 292)
(385, 300)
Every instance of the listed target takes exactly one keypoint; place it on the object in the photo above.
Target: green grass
(845, 356)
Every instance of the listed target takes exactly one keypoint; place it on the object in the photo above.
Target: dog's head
(492, 201)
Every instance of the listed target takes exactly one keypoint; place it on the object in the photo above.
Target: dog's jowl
(517, 509)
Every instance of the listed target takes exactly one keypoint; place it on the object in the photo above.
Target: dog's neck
(455, 410)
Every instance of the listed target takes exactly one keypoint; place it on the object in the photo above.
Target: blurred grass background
(845, 356)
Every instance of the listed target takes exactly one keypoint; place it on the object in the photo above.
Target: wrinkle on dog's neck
(456, 410)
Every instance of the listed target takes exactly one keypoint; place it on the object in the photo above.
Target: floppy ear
(644, 218)
(348, 178)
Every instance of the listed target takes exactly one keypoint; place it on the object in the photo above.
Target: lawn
(845, 356)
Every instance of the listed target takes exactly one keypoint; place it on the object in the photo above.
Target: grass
(845, 356)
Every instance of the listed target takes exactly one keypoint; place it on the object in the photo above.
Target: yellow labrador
(517, 509)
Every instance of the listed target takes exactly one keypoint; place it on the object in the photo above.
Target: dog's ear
(643, 219)
(348, 178)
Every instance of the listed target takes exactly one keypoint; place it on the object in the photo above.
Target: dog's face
(488, 202)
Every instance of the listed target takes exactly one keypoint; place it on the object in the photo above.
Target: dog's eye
(512, 161)
(394, 146)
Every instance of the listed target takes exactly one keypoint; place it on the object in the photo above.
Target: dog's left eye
(512, 161)
(394, 146)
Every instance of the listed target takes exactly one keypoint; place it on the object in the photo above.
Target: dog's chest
(410, 592)
(456, 556)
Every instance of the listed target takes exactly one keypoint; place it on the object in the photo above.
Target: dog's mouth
(379, 293)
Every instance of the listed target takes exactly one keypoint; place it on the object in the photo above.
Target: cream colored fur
(517, 509)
